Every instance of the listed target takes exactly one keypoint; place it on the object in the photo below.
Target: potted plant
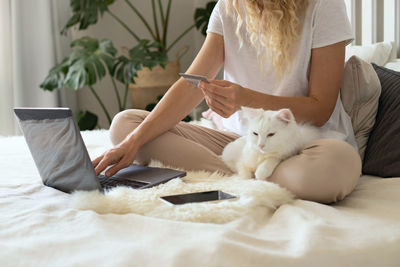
(91, 59)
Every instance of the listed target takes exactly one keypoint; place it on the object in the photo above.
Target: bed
(38, 227)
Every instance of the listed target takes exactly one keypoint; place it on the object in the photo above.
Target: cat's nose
(261, 146)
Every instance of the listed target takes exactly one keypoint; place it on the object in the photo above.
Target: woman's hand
(121, 156)
(223, 97)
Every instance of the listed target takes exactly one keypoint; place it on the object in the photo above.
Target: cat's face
(269, 130)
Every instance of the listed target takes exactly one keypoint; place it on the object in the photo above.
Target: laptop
(63, 162)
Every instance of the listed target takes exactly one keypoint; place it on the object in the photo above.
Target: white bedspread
(38, 227)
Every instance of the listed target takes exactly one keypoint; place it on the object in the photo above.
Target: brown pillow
(360, 96)
(382, 157)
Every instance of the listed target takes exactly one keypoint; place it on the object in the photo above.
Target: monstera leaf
(86, 12)
(55, 78)
(202, 16)
(84, 66)
(87, 120)
(145, 54)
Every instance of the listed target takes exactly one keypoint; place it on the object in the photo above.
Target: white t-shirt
(325, 23)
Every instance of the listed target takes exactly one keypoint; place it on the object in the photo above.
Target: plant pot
(152, 83)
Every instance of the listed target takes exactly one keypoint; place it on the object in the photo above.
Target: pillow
(393, 53)
(382, 156)
(360, 93)
(393, 65)
(378, 53)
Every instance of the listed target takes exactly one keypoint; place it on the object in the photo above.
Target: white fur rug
(251, 194)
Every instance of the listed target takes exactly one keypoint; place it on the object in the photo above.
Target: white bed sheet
(39, 228)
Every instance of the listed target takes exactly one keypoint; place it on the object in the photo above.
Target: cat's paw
(244, 173)
(263, 173)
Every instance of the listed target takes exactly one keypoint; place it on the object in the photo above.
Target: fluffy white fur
(272, 137)
(251, 194)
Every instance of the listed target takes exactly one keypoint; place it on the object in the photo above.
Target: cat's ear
(252, 112)
(285, 115)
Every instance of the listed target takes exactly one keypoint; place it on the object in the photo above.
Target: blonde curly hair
(273, 28)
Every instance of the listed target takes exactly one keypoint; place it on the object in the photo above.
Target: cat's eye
(256, 134)
(271, 134)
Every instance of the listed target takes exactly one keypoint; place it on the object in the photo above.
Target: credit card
(194, 79)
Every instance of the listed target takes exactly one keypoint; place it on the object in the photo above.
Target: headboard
(375, 21)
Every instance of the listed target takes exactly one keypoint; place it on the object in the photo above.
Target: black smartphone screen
(197, 197)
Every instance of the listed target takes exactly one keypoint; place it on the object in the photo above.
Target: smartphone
(194, 79)
(197, 197)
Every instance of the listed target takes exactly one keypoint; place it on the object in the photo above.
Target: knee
(326, 171)
(346, 166)
(125, 122)
(343, 166)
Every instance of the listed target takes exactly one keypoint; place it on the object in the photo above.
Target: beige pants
(325, 171)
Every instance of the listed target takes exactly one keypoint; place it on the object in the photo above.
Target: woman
(276, 54)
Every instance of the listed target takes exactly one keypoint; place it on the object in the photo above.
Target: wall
(181, 18)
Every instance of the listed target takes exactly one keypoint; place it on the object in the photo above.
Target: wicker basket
(152, 83)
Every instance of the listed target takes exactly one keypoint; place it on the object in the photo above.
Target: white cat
(272, 137)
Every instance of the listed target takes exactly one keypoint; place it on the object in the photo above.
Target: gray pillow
(360, 93)
(382, 156)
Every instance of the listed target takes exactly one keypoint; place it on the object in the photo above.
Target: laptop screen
(58, 149)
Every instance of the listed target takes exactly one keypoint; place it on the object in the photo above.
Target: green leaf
(87, 120)
(144, 54)
(55, 78)
(187, 118)
(109, 61)
(202, 16)
(107, 46)
(159, 98)
(71, 22)
(86, 13)
(91, 71)
(101, 71)
(84, 66)
(150, 107)
(76, 77)
(86, 42)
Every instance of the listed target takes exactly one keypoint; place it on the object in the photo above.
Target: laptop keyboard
(111, 182)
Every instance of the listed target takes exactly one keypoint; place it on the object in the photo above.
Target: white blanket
(38, 227)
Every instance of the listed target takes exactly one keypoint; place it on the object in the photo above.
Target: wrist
(246, 98)
(133, 141)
